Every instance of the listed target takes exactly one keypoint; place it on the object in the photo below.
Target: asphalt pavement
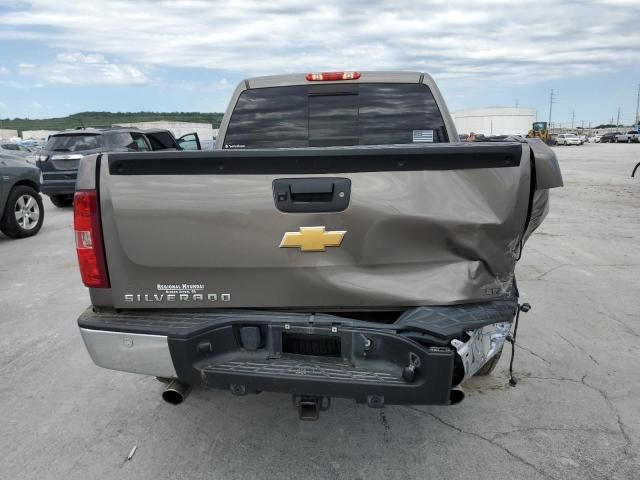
(575, 414)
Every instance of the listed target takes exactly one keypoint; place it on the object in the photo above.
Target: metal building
(6, 134)
(204, 130)
(495, 120)
(37, 134)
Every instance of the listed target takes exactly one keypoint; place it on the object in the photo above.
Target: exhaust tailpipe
(176, 392)
(456, 395)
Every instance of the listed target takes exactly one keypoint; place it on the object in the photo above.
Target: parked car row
(16, 149)
(61, 155)
(631, 136)
(56, 166)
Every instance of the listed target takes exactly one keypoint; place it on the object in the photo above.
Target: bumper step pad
(304, 370)
(359, 373)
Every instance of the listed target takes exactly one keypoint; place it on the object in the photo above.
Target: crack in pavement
(552, 429)
(559, 379)
(577, 347)
(627, 328)
(512, 454)
(578, 265)
(607, 400)
(628, 454)
(543, 274)
(526, 349)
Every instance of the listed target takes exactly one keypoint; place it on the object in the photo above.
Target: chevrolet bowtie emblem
(312, 239)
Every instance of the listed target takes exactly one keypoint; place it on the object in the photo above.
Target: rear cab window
(335, 115)
(74, 142)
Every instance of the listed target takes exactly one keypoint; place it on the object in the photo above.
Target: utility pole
(638, 106)
(573, 118)
(517, 103)
(550, 107)
(618, 121)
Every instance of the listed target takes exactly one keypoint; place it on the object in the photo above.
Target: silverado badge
(312, 239)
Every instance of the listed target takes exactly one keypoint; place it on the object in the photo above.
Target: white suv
(569, 139)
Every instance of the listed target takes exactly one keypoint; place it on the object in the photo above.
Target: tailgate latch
(309, 195)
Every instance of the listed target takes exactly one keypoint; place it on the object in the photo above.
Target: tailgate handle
(311, 190)
(311, 194)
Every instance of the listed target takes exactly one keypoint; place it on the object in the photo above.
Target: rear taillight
(88, 232)
(332, 76)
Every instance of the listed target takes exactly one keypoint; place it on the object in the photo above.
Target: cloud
(456, 40)
(202, 87)
(87, 68)
(82, 68)
(3, 70)
(26, 65)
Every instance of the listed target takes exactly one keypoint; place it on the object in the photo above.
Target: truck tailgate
(432, 224)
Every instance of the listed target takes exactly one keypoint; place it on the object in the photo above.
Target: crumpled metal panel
(413, 238)
(481, 346)
(548, 174)
(447, 322)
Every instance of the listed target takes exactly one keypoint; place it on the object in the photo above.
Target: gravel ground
(574, 415)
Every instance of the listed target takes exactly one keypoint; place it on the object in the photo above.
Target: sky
(64, 56)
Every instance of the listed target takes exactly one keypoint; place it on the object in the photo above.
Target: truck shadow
(496, 432)
(262, 437)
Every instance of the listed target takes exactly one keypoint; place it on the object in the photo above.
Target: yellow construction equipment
(540, 130)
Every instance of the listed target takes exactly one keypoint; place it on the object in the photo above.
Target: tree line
(106, 119)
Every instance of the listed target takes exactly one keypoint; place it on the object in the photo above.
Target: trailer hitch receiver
(309, 406)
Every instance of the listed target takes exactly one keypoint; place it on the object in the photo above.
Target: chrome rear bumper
(129, 352)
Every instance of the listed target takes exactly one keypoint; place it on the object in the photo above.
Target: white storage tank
(495, 120)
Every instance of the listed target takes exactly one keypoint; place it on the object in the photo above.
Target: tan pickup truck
(339, 242)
